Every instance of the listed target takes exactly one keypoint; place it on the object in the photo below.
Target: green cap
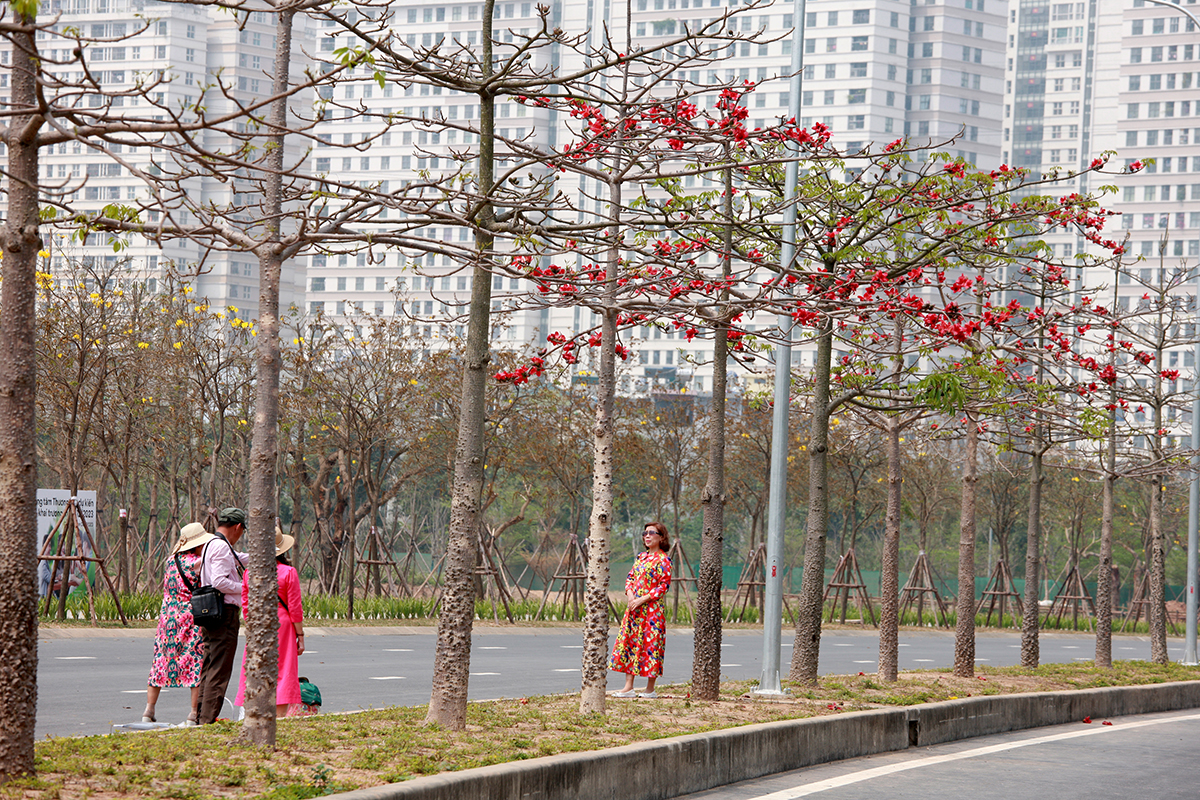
(231, 516)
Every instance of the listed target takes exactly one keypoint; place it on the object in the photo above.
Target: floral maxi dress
(642, 640)
(178, 643)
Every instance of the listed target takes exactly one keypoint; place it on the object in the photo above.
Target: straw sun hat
(283, 542)
(192, 535)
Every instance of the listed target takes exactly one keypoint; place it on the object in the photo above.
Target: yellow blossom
(143, 345)
(178, 345)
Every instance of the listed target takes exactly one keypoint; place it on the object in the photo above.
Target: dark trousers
(220, 646)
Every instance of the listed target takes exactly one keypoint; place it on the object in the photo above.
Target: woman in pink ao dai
(291, 629)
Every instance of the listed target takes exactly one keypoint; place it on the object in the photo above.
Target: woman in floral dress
(642, 640)
(178, 645)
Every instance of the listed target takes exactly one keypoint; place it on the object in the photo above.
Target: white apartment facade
(875, 71)
(187, 49)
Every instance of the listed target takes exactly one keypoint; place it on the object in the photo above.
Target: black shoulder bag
(208, 602)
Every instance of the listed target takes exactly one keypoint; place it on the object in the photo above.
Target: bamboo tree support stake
(847, 579)
(750, 581)
(103, 573)
(921, 581)
(999, 588)
(681, 575)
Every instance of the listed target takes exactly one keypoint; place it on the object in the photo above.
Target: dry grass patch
(325, 754)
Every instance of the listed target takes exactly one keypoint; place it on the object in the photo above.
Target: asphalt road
(88, 681)
(1151, 755)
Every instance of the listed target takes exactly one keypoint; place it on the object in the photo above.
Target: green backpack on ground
(310, 695)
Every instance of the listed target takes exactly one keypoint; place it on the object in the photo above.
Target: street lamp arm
(1190, 14)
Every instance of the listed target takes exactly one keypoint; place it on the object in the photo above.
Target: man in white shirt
(222, 569)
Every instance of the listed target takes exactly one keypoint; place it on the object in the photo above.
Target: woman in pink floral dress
(178, 644)
(642, 640)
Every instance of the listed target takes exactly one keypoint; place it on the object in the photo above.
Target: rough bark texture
(964, 629)
(594, 664)
(1030, 622)
(262, 620)
(807, 649)
(18, 470)
(1031, 613)
(452, 661)
(706, 655)
(889, 579)
(1104, 586)
(1158, 574)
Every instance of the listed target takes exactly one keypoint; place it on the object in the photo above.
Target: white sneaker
(630, 693)
(648, 695)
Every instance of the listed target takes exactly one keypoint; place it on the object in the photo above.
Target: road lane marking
(388, 678)
(388, 650)
(891, 769)
(731, 665)
(75, 658)
(491, 648)
(1070, 647)
(843, 644)
(923, 660)
(485, 673)
(571, 646)
(572, 669)
(862, 662)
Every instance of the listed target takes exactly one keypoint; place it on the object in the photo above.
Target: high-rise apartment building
(184, 54)
(1113, 76)
(874, 71)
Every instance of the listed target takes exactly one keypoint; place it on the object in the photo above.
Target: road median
(666, 768)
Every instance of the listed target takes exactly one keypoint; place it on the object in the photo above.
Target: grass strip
(331, 753)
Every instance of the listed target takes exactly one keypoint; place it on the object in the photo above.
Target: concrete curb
(685, 764)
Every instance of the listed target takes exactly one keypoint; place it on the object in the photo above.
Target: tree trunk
(807, 649)
(964, 630)
(20, 242)
(1158, 610)
(594, 665)
(452, 661)
(1030, 622)
(706, 658)
(889, 577)
(1104, 587)
(262, 618)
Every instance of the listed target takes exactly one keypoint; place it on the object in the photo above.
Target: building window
(857, 96)
(858, 69)
(856, 122)
(318, 284)
(862, 16)
(858, 43)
